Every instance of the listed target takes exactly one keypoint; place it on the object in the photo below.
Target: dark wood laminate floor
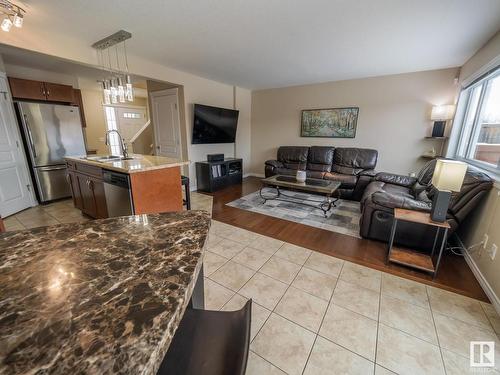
(454, 274)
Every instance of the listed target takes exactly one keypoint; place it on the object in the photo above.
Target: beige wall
(393, 117)
(486, 218)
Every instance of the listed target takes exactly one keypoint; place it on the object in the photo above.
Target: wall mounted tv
(214, 125)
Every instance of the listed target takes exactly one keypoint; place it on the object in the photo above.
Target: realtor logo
(482, 354)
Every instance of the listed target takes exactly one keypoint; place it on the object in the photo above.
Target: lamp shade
(442, 112)
(449, 175)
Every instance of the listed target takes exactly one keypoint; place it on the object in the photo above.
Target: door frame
(153, 95)
(25, 168)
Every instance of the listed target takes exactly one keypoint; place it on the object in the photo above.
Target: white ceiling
(274, 43)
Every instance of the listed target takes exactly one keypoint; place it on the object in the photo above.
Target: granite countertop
(139, 163)
(100, 297)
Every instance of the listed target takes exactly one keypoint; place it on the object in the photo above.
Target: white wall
(394, 113)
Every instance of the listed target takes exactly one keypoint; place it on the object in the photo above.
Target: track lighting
(6, 24)
(14, 15)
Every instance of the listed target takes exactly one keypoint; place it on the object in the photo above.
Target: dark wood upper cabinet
(37, 90)
(27, 89)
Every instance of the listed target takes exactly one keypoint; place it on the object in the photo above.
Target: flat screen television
(214, 124)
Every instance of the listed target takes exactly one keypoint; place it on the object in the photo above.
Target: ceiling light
(18, 20)
(6, 24)
(14, 15)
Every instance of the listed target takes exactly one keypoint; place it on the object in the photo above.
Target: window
(479, 141)
(114, 140)
(131, 115)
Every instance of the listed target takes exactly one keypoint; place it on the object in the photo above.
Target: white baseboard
(495, 301)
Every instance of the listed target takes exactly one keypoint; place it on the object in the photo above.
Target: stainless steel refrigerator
(51, 132)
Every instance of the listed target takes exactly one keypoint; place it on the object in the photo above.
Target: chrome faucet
(123, 145)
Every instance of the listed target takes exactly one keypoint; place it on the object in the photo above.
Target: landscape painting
(329, 123)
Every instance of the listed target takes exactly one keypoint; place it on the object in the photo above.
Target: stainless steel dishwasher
(118, 195)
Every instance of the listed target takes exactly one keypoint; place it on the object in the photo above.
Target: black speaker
(438, 128)
(440, 204)
(215, 157)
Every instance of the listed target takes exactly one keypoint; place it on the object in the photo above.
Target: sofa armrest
(397, 201)
(274, 163)
(368, 173)
(396, 179)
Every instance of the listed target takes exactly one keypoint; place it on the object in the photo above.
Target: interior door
(166, 123)
(15, 185)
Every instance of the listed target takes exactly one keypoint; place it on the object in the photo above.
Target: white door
(166, 123)
(15, 185)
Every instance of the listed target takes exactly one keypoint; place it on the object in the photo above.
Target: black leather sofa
(353, 167)
(388, 191)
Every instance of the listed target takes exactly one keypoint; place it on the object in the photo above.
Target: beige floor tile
(73, 219)
(11, 223)
(406, 290)
(264, 290)
(412, 319)
(212, 262)
(259, 313)
(213, 239)
(216, 295)
(459, 307)
(455, 335)
(379, 370)
(284, 344)
(226, 248)
(405, 354)
(42, 222)
(458, 365)
(280, 269)
(360, 300)
(353, 331)
(243, 236)
(221, 229)
(316, 283)
(259, 366)
(324, 263)
(361, 276)
(302, 308)
(492, 315)
(328, 358)
(293, 253)
(252, 258)
(266, 244)
(232, 275)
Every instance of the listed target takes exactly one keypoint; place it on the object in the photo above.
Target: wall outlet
(485, 240)
(493, 251)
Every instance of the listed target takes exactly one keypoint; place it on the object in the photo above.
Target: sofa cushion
(348, 181)
(353, 161)
(286, 171)
(320, 158)
(293, 157)
(315, 174)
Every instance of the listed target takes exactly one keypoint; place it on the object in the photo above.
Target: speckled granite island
(100, 297)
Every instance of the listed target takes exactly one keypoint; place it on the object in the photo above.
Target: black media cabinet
(212, 176)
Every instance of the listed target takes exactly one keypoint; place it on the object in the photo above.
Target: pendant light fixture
(14, 15)
(117, 87)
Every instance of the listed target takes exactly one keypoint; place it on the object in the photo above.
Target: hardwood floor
(454, 274)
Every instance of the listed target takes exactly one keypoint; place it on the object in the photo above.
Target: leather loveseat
(353, 167)
(388, 191)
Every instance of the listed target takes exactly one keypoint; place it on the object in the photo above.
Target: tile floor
(315, 314)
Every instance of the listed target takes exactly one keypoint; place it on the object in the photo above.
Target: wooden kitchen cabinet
(78, 102)
(37, 90)
(87, 188)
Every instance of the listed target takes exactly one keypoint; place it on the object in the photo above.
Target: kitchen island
(153, 184)
(100, 297)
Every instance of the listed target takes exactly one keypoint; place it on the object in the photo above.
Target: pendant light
(14, 15)
(129, 90)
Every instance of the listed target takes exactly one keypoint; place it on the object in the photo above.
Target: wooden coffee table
(325, 188)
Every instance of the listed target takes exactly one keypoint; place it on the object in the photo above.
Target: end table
(412, 258)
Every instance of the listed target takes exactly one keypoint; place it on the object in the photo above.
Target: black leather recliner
(353, 167)
(388, 191)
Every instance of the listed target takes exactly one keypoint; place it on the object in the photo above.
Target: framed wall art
(329, 122)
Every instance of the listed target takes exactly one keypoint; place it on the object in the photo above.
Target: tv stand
(216, 175)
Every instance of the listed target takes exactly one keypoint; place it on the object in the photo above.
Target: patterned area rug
(341, 219)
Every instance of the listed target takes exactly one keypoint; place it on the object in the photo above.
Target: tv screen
(214, 125)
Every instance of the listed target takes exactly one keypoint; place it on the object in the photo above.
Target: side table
(412, 258)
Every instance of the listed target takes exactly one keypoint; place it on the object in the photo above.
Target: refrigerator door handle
(30, 137)
(48, 169)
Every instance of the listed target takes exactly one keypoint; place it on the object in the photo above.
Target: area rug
(341, 219)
